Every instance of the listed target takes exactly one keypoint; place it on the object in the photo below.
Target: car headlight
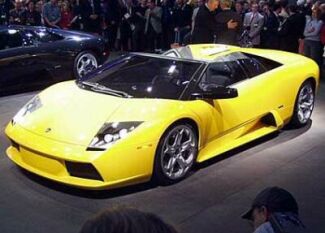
(110, 133)
(30, 107)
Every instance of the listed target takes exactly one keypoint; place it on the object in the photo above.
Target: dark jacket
(113, 15)
(204, 26)
(33, 18)
(17, 17)
(291, 31)
(87, 9)
(135, 18)
(225, 35)
(182, 16)
(269, 34)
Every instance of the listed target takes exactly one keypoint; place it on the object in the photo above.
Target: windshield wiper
(103, 89)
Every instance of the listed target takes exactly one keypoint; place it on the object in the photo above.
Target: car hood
(73, 115)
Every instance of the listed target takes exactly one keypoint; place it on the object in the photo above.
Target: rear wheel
(176, 154)
(304, 105)
(84, 63)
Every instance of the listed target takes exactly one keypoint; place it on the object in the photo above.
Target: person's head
(192, 3)
(225, 4)
(213, 4)
(54, 2)
(261, 4)
(316, 13)
(268, 201)
(266, 8)
(65, 6)
(179, 2)
(200, 2)
(129, 3)
(254, 7)
(239, 7)
(143, 2)
(246, 6)
(277, 8)
(31, 6)
(18, 4)
(292, 9)
(300, 3)
(151, 4)
(126, 220)
(39, 6)
(284, 3)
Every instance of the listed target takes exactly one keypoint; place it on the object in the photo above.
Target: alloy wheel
(86, 63)
(178, 152)
(305, 103)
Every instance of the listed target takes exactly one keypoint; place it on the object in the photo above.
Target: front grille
(15, 144)
(83, 170)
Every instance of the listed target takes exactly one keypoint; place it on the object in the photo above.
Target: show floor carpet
(209, 201)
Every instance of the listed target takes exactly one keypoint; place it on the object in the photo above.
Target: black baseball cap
(275, 199)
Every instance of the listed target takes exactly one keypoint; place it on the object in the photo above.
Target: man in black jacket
(90, 13)
(292, 30)
(226, 35)
(205, 26)
(182, 19)
(112, 18)
(269, 37)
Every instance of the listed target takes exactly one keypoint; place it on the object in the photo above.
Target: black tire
(296, 120)
(159, 171)
(76, 63)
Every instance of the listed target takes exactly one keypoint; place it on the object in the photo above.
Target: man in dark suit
(292, 30)
(18, 14)
(269, 37)
(90, 14)
(112, 18)
(225, 35)
(205, 25)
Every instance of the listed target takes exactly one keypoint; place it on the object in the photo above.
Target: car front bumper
(73, 165)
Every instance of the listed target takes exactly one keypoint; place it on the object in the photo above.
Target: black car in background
(35, 57)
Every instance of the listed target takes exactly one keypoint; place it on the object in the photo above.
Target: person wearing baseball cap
(275, 210)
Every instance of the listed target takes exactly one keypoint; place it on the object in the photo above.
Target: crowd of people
(149, 25)
(274, 210)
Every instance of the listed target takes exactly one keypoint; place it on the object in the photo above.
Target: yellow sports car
(146, 116)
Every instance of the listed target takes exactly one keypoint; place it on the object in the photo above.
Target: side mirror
(216, 92)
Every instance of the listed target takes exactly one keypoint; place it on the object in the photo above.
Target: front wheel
(84, 63)
(176, 154)
(304, 105)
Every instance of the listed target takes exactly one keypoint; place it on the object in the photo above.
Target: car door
(263, 70)
(238, 116)
(15, 61)
(55, 55)
(247, 106)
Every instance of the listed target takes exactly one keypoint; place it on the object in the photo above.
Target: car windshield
(41, 35)
(142, 76)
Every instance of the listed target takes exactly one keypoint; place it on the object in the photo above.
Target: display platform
(210, 200)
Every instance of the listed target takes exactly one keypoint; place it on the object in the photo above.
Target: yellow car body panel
(75, 116)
